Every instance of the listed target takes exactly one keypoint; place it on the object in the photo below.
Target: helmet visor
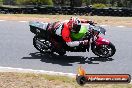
(76, 28)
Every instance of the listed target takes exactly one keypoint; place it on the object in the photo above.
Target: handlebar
(97, 29)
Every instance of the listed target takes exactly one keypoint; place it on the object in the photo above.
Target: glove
(85, 42)
(91, 22)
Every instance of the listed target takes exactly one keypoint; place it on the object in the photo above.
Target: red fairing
(66, 33)
(101, 41)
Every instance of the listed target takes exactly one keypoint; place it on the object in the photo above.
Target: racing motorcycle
(99, 45)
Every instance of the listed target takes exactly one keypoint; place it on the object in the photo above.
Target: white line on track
(2, 20)
(120, 26)
(10, 69)
(23, 21)
(103, 25)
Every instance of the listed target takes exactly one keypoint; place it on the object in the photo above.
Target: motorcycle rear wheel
(42, 45)
(104, 51)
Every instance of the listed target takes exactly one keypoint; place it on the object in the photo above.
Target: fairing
(101, 41)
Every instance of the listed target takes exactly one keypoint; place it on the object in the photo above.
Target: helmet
(75, 24)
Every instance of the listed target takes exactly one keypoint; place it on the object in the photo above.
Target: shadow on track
(66, 60)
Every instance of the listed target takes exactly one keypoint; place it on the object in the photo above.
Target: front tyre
(104, 50)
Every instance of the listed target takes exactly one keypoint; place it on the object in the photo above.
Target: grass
(105, 20)
(31, 80)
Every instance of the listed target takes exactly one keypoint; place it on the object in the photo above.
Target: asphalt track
(17, 51)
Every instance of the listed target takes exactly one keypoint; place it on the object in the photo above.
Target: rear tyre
(42, 45)
(104, 50)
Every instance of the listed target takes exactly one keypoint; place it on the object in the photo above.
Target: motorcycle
(99, 45)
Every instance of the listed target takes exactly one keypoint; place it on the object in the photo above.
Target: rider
(61, 32)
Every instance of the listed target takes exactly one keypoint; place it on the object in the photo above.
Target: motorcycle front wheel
(104, 50)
